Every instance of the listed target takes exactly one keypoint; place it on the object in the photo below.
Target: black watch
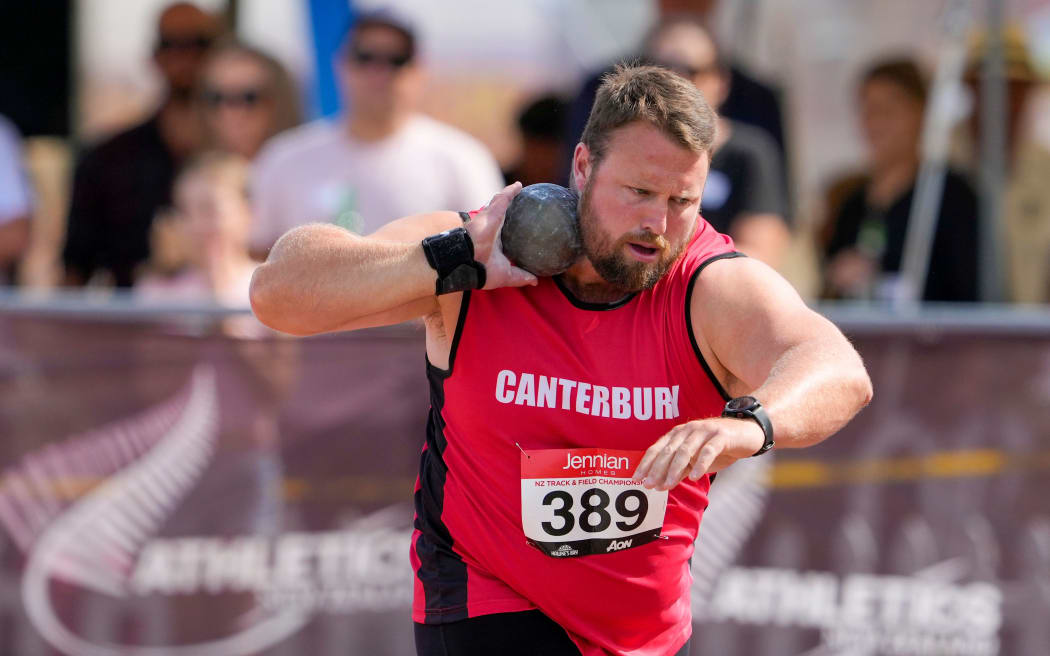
(748, 407)
(451, 254)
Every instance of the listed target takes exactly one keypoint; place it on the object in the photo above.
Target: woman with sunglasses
(245, 97)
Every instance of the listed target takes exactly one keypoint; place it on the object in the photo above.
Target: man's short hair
(662, 98)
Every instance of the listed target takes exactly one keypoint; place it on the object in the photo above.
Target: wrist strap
(451, 254)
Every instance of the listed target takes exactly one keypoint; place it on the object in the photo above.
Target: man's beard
(608, 257)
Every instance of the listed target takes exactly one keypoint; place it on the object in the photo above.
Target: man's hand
(484, 230)
(697, 448)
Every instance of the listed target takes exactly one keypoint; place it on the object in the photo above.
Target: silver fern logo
(104, 540)
(736, 504)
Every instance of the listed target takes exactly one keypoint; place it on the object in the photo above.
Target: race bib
(578, 502)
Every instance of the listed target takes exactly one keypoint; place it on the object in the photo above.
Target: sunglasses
(248, 98)
(171, 43)
(383, 59)
(688, 71)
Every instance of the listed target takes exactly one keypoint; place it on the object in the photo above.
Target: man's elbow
(860, 383)
(269, 304)
(260, 296)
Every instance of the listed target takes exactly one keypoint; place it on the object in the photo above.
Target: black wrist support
(451, 254)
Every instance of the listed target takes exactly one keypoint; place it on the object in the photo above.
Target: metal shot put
(541, 231)
(577, 417)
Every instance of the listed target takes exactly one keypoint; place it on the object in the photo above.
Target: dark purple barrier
(166, 490)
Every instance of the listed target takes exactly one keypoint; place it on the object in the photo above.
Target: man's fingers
(658, 469)
(705, 459)
(647, 459)
(517, 277)
(683, 459)
(501, 201)
(691, 449)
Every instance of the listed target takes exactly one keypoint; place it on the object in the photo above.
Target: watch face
(741, 403)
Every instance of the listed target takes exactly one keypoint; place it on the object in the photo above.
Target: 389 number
(594, 516)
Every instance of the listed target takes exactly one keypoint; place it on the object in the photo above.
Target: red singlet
(537, 367)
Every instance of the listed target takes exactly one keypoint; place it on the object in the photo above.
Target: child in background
(200, 248)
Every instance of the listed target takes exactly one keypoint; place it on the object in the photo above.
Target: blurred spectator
(866, 244)
(16, 202)
(1026, 202)
(120, 184)
(744, 195)
(747, 100)
(200, 249)
(542, 127)
(382, 161)
(246, 97)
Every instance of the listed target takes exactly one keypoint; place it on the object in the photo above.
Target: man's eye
(640, 192)
(681, 201)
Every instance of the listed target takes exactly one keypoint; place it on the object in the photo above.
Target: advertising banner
(168, 490)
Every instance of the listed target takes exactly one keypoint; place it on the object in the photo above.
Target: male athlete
(576, 420)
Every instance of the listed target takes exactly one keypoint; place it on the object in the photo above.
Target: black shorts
(528, 633)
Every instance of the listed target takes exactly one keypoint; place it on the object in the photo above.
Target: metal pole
(993, 149)
(936, 133)
(233, 8)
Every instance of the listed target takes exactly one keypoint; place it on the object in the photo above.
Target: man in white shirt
(382, 160)
(16, 201)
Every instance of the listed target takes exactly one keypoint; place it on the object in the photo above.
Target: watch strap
(756, 412)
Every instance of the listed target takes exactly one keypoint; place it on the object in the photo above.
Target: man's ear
(582, 166)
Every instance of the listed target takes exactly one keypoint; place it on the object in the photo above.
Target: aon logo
(617, 545)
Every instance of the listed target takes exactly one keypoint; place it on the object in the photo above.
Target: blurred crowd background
(163, 147)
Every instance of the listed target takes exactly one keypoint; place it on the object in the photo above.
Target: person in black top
(863, 254)
(746, 100)
(541, 123)
(744, 196)
(120, 184)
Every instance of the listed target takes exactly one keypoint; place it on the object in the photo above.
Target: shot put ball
(541, 231)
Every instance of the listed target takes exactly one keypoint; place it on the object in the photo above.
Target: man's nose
(654, 219)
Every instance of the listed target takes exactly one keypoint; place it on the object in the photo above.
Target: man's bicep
(747, 316)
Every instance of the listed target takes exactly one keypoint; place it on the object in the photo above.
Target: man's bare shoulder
(736, 278)
(744, 312)
(743, 298)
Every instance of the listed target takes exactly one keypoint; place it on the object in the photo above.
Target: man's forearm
(813, 390)
(321, 277)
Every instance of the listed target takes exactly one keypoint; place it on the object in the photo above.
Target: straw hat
(1017, 60)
